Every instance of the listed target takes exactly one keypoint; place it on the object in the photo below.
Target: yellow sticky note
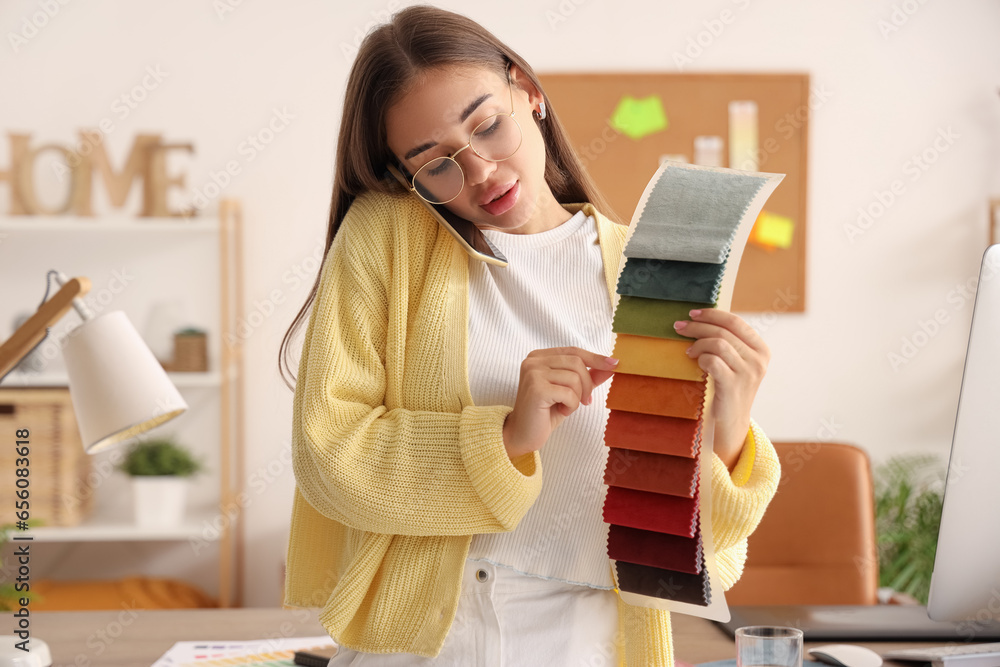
(639, 118)
(772, 231)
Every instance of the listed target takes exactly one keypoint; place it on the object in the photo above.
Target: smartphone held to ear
(470, 237)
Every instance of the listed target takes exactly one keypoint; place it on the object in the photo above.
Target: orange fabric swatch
(660, 357)
(659, 473)
(652, 433)
(656, 396)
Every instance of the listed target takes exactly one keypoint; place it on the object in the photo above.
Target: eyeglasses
(495, 139)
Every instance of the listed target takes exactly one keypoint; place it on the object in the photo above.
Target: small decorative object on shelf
(190, 352)
(160, 470)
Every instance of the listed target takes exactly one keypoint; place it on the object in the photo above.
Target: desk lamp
(118, 388)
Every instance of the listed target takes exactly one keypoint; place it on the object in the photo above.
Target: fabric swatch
(651, 511)
(645, 547)
(658, 473)
(692, 215)
(671, 280)
(659, 357)
(651, 317)
(664, 583)
(652, 433)
(656, 396)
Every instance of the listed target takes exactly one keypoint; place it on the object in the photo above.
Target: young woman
(433, 388)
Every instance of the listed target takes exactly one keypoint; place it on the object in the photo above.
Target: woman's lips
(505, 203)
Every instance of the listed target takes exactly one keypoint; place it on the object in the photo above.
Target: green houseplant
(9, 595)
(908, 500)
(160, 469)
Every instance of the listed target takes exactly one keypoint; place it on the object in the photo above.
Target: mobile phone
(470, 237)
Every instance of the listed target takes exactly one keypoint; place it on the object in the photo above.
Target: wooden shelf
(180, 380)
(62, 223)
(124, 529)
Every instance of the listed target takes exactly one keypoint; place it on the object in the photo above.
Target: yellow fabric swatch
(659, 357)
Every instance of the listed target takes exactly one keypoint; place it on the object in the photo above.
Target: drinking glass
(768, 646)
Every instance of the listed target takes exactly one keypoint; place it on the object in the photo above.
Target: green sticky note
(639, 118)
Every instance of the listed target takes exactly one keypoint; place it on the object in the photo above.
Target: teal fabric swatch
(651, 317)
(692, 215)
(671, 280)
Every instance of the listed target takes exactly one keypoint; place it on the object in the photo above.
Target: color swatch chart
(682, 252)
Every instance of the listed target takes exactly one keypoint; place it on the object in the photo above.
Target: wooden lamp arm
(29, 334)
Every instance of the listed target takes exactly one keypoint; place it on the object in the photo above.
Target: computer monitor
(965, 585)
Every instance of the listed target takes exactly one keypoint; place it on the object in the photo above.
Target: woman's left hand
(736, 357)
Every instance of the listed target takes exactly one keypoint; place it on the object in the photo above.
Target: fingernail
(688, 351)
(695, 313)
(611, 360)
(680, 324)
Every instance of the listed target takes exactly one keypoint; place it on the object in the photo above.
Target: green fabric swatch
(672, 280)
(651, 317)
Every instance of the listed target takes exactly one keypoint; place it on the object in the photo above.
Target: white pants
(507, 619)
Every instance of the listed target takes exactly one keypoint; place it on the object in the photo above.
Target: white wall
(889, 95)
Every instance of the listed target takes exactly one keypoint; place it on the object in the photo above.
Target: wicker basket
(58, 465)
(190, 353)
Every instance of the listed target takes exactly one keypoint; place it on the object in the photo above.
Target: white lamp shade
(118, 388)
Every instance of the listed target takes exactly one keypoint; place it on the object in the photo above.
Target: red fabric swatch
(659, 473)
(645, 547)
(652, 433)
(651, 511)
(657, 396)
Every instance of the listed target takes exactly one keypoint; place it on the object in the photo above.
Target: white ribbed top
(552, 293)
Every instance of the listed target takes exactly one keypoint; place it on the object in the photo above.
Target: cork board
(770, 278)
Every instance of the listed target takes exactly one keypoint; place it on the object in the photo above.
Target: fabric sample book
(682, 252)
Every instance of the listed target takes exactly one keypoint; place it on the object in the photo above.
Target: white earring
(541, 110)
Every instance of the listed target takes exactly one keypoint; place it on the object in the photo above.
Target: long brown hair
(390, 60)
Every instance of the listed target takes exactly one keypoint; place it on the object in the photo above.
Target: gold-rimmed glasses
(495, 139)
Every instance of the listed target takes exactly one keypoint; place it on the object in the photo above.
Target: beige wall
(895, 78)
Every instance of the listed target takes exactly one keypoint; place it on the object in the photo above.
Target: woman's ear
(522, 82)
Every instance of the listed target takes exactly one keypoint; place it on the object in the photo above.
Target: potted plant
(908, 502)
(160, 470)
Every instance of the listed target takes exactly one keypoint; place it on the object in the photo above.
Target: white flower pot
(159, 500)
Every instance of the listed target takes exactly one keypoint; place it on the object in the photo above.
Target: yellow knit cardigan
(396, 468)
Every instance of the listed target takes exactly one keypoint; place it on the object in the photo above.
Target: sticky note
(639, 118)
(772, 231)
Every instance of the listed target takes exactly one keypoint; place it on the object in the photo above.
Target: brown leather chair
(816, 542)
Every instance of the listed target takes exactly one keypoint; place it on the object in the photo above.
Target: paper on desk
(276, 651)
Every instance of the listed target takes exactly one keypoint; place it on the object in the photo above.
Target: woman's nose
(477, 169)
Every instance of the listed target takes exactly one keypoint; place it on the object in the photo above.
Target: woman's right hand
(553, 383)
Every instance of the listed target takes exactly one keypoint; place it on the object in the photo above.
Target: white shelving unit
(223, 380)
